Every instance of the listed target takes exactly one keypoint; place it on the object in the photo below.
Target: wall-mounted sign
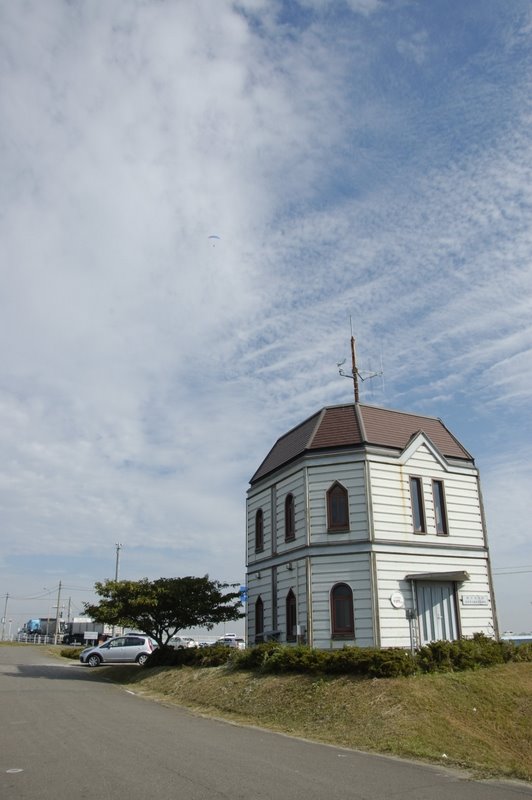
(475, 600)
(397, 600)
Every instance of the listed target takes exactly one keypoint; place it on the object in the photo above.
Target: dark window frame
(346, 599)
(259, 530)
(343, 525)
(289, 518)
(259, 619)
(440, 508)
(291, 616)
(419, 518)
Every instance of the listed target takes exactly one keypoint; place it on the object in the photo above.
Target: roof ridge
(321, 415)
(299, 425)
(360, 421)
(399, 411)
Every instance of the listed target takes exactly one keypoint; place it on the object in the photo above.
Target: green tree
(165, 606)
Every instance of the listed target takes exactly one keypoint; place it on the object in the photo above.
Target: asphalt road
(66, 733)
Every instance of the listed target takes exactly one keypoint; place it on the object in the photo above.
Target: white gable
(420, 440)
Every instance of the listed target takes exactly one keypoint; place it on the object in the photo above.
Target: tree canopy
(162, 607)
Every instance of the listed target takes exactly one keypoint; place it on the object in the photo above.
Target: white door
(436, 610)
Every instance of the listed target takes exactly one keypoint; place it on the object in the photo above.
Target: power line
(512, 570)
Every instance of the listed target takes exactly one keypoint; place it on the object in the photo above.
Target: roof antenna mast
(354, 364)
(355, 373)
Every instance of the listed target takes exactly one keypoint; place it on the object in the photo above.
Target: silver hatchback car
(123, 649)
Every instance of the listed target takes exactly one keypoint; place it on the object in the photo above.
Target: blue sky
(367, 159)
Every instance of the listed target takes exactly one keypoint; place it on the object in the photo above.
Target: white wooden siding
(260, 499)
(328, 571)
(294, 579)
(391, 570)
(320, 480)
(259, 585)
(396, 549)
(293, 484)
(392, 507)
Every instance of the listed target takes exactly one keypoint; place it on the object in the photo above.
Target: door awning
(459, 576)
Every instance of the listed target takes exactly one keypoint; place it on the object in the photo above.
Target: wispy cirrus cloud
(373, 164)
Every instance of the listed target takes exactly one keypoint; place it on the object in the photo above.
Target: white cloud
(415, 47)
(146, 372)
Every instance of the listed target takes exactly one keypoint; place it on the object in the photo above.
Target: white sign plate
(475, 600)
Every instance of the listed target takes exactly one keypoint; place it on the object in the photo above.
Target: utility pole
(118, 548)
(4, 617)
(57, 613)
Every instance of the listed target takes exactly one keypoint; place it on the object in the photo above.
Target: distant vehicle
(83, 630)
(182, 642)
(231, 640)
(43, 626)
(122, 649)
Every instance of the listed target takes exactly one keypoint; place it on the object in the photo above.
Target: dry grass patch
(480, 720)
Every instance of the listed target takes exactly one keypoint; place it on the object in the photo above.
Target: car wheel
(142, 659)
(94, 661)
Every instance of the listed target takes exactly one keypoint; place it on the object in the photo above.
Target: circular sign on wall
(397, 600)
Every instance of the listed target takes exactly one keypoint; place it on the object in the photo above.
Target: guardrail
(33, 638)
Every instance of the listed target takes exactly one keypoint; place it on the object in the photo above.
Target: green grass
(480, 720)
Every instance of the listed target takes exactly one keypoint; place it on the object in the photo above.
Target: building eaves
(357, 425)
(289, 446)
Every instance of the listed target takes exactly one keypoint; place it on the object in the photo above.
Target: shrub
(167, 656)
(71, 652)
(254, 657)
(369, 662)
(163, 657)
(480, 651)
(293, 659)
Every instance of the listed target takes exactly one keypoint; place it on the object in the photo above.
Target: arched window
(291, 617)
(342, 617)
(289, 518)
(259, 620)
(259, 530)
(337, 508)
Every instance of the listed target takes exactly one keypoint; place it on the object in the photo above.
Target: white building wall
(292, 576)
(294, 484)
(392, 567)
(259, 585)
(327, 571)
(320, 480)
(394, 552)
(259, 500)
(392, 507)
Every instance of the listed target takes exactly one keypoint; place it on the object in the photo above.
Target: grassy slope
(481, 720)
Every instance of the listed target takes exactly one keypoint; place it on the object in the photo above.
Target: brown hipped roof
(355, 426)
